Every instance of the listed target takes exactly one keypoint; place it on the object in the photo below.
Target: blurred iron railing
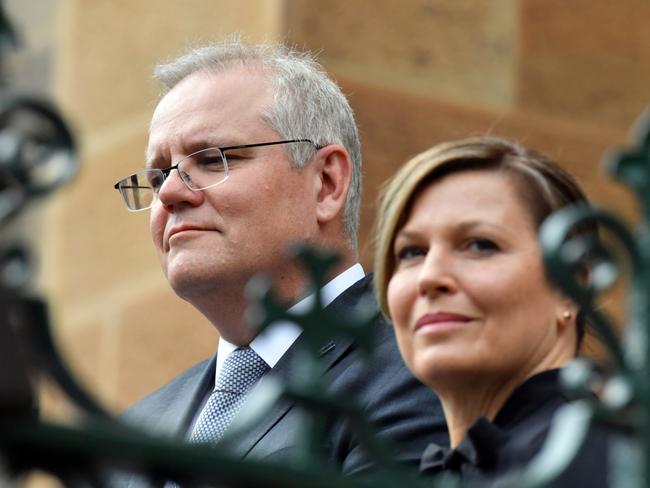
(37, 155)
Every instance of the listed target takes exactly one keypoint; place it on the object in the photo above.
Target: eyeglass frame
(167, 171)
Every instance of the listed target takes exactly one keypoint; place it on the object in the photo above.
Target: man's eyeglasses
(200, 170)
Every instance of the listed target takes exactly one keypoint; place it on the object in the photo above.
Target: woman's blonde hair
(543, 186)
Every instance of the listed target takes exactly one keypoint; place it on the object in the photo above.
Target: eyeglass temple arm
(259, 144)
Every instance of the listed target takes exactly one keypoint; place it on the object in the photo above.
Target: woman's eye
(410, 252)
(482, 246)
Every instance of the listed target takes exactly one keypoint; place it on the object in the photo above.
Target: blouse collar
(481, 444)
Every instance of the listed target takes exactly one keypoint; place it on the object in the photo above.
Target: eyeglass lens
(199, 170)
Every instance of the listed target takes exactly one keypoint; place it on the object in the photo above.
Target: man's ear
(334, 173)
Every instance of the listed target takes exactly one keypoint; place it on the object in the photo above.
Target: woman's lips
(442, 321)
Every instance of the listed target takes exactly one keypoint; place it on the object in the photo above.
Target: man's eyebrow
(148, 161)
(152, 161)
(188, 148)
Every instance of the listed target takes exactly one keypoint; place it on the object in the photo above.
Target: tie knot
(241, 370)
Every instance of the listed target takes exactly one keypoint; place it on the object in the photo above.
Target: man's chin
(188, 282)
(201, 281)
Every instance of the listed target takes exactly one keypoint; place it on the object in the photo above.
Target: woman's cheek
(400, 304)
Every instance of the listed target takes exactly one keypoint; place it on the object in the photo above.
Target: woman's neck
(483, 394)
(463, 406)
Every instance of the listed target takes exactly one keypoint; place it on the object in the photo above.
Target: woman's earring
(566, 315)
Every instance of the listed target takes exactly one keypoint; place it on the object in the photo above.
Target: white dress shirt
(273, 342)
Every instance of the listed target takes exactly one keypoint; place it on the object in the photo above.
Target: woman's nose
(436, 276)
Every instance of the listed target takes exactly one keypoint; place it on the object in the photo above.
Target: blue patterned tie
(240, 371)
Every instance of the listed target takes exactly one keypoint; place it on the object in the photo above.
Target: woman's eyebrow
(405, 234)
(463, 226)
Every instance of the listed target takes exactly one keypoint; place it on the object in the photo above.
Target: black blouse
(492, 451)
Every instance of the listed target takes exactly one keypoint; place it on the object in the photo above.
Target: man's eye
(481, 245)
(210, 163)
(156, 181)
(410, 252)
(234, 157)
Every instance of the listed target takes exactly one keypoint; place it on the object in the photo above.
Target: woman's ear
(566, 314)
(334, 172)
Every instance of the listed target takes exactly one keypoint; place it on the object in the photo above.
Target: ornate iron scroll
(32, 133)
(307, 388)
(27, 443)
(625, 402)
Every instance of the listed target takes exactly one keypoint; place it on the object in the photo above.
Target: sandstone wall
(568, 78)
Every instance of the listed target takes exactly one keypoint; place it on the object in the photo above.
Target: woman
(459, 272)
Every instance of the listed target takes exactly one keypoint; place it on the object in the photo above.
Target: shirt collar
(273, 342)
(481, 445)
(529, 396)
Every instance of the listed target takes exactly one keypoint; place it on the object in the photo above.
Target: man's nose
(174, 191)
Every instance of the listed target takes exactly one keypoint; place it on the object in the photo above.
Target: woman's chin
(439, 367)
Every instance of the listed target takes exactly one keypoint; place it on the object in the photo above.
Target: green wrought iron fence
(75, 451)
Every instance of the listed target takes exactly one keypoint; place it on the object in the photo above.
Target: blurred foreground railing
(37, 155)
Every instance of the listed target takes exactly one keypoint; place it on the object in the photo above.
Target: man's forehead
(232, 77)
(189, 116)
(243, 87)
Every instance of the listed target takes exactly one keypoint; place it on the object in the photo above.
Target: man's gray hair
(308, 103)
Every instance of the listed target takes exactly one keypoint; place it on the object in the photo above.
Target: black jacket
(403, 410)
(492, 452)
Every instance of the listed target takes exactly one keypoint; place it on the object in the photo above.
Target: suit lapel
(188, 399)
(331, 351)
(243, 443)
(181, 401)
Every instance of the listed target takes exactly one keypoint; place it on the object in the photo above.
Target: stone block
(94, 243)
(464, 52)
(108, 48)
(589, 63)
(403, 125)
(419, 74)
(84, 346)
(158, 337)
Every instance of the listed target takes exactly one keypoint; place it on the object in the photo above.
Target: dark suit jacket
(401, 408)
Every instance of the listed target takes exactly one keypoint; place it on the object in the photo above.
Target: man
(273, 159)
